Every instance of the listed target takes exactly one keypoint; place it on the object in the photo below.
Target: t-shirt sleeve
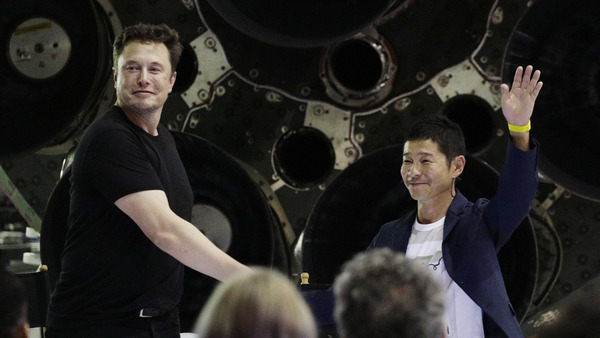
(116, 165)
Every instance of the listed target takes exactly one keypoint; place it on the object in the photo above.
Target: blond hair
(258, 303)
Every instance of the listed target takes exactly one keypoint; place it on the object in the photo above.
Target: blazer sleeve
(516, 189)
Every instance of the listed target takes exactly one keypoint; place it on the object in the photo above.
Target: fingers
(536, 89)
(524, 79)
(518, 77)
(505, 90)
(527, 77)
(534, 81)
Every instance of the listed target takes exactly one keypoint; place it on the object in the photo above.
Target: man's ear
(172, 81)
(458, 165)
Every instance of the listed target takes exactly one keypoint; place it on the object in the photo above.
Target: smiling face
(426, 173)
(143, 77)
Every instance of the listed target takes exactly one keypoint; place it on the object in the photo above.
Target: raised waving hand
(518, 102)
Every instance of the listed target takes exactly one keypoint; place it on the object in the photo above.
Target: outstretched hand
(517, 103)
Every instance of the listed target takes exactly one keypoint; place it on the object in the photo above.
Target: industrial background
(290, 118)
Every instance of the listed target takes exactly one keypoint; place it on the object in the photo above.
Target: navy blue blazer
(473, 235)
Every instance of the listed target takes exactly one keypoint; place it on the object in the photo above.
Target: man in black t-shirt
(129, 229)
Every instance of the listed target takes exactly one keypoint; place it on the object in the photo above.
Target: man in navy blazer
(456, 239)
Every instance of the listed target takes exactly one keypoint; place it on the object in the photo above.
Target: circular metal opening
(214, 224)
(356, 65)
(43, 60)
(474, 115)
(358, 71)
(300, 24)
(39, 48)
(187, 69)
(303, 158)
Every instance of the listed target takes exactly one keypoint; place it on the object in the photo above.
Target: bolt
(402, 104)
(350, 152)
(210, 43)
(443, 81)
(318, 110)
(202, 94)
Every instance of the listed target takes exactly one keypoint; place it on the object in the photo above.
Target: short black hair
(145, 33)
(438, 128)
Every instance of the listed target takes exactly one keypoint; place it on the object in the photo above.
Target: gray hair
(381, 293)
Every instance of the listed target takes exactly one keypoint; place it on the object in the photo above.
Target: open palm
(518, 102)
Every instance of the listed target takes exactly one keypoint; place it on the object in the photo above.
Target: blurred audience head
(259, 303)
(380, 293)
(13, 307)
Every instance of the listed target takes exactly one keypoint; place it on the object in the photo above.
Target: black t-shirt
(110, 269)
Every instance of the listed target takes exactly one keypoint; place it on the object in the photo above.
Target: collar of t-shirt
(430, 226)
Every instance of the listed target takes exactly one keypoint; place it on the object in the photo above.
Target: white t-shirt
(463, 316)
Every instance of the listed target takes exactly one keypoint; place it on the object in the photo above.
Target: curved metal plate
(562, 39)
(218, 180)
(34, 112)
(301, 23)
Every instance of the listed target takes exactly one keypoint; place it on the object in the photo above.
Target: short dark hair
(381, 293)
(438, 128)
(13, 304)
(146, 33)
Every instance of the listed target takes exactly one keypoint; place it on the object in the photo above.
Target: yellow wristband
(520, 129)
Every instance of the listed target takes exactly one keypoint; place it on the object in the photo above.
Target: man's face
(425, 171)
(143, 78)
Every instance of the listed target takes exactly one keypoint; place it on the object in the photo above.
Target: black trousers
(163, 326)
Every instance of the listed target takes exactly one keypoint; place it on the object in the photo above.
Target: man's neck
(147, 121)
(433, 210)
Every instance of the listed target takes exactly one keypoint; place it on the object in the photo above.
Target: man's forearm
(187, 244)
(179, 238)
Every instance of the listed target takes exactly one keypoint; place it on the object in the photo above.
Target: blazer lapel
(402, 233)
(454, 212)
(452, 217)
